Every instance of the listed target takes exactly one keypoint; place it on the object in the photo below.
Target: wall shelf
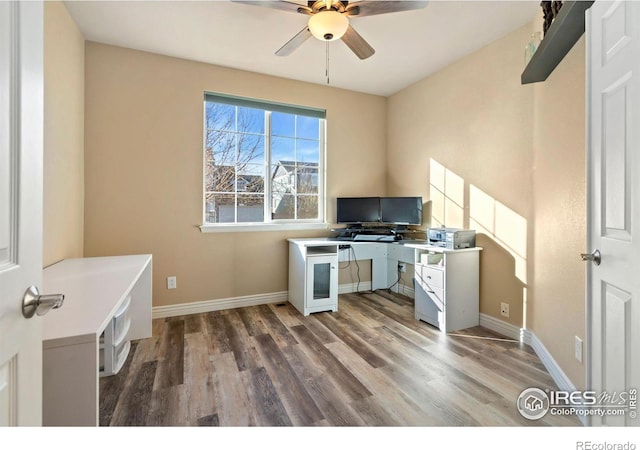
(564, 32)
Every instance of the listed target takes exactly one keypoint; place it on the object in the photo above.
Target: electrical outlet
(172, 283)
(402, 267)
(578, 349)
(504, 309)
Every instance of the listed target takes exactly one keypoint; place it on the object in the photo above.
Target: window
(263, 162)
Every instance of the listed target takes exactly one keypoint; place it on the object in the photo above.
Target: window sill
(252, 227)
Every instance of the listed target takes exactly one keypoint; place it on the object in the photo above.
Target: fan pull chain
(327, 63)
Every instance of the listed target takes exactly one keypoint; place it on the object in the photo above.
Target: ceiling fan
(329, 20)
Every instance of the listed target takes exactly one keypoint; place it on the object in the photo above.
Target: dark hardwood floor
(369, 364)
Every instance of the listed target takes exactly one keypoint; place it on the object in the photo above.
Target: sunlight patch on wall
(449, 193)
(502, 224)
(446, 192)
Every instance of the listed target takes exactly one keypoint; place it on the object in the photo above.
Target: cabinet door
(322, 281)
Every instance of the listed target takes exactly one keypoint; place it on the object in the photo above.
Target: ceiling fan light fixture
(328, 25)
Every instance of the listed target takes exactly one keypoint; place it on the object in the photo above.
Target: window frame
(269, 224)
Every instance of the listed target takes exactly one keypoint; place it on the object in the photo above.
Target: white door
(21, 144)
(613, 302)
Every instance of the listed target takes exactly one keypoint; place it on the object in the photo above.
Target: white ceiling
(409, 45)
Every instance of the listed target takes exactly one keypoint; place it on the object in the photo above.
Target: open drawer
(114, 341)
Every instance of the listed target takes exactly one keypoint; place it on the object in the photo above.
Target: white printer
(451, 238)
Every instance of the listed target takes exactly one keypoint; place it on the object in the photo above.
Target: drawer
(113, 357)
(120, 354)
(122, 322)
(429, 306)
(114, 341)
(436, 296)
(431, 277)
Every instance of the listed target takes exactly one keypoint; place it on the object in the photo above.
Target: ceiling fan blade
(283, 5)
(295, 42)
(374, 7)
(357, 44)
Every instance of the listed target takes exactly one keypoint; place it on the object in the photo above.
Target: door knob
(594, 257)
(34, 303)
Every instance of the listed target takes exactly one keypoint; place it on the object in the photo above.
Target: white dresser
(447, 287)
(107, 304)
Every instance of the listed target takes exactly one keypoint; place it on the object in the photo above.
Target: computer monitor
(401, 210)
(358, 209)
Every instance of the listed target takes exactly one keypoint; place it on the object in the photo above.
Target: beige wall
(490, 153)
(143, 165)
(558, 312)
(509, 161)
(463, 139)
(63, 136)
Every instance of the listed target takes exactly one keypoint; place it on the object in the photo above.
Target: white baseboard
(348, 288)
(160, 312)
(561, 379)
(406, 290)
(183, 309)
(502, 327)
(529, 337)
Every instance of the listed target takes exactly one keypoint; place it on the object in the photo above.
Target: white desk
(94, 289)
(384, 256)
(453, 303)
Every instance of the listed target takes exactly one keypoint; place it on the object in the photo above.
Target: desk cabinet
(447, 288)
(313, 277)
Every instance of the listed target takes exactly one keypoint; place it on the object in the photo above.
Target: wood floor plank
(417, 326)
(233, 406)
(401, 409)
(157, 327)
(374, 413)
(359, 345)
(322, 333)
(401, 311)
(169, 407)
(393, 349)
(425, 336)
(193, 323)
(287, 313)
(239, 340)
(515, 370)
(209, 421)
(398, 299)
(329, 397)
(330, 365)
(218, 339)
(422, 393)
(111, 387)
(199, 391)
(279, 331)
(300, 406)
(252, 321)
(171, 368)
(483, 373)
(479, 412)
(264, 399)
(134, 404)
(349, 309)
